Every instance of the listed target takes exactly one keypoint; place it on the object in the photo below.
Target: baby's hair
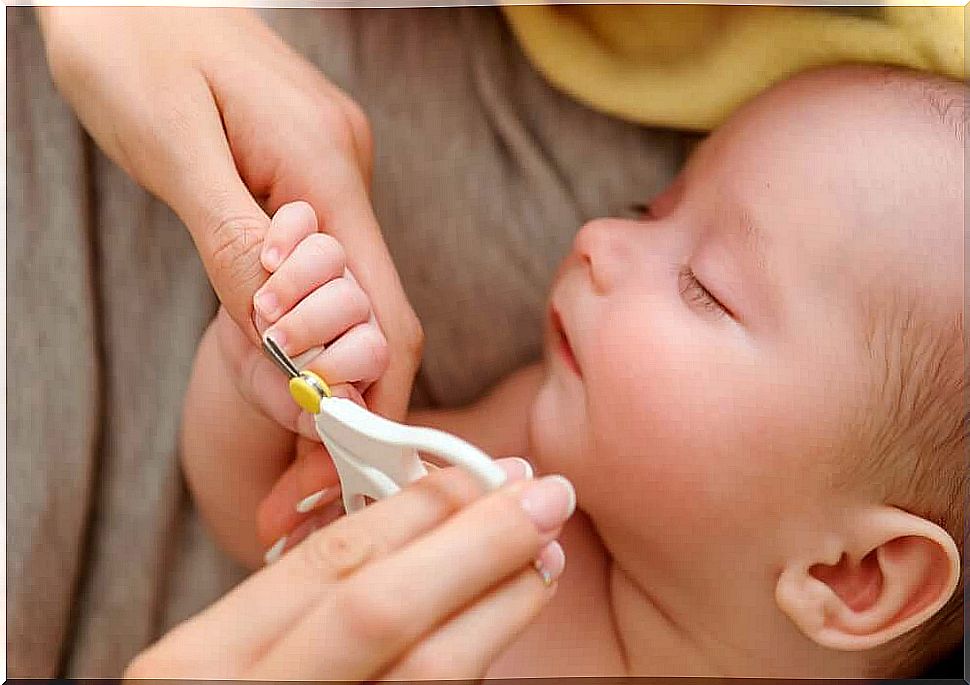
(942, 97)
(916, 455)
(915, 442)
(947, 100)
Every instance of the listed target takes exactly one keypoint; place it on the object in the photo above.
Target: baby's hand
(312, 306)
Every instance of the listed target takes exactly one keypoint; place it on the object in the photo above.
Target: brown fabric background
(483, 173)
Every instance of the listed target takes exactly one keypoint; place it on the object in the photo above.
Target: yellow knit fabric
(689, 66)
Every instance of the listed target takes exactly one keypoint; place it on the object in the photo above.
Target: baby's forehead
(848, 169)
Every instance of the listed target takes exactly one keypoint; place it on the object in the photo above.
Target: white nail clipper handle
(375, 457)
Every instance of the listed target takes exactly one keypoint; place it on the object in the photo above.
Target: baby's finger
(320, 317)
(358, 355)
(310, 482)
(348, 392)
(317, 259)
(495, 621)
(292, 223)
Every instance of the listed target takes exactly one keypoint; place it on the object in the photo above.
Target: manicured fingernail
(271, 259)
(549, 501)
(551, 563)
(311, 502)
(267, 303)
(275, 552)
(516, 468)
(277, 337)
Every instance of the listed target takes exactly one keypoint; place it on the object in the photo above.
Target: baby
(756, 389)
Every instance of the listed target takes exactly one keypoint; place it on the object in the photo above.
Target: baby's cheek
(658, 426)
(557, 430)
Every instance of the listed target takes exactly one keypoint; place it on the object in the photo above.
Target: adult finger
(366, 624)
(198, 179)
(311, 523)
(495, 621)
(310, 571)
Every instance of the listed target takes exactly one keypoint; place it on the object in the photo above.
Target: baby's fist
(312, 306)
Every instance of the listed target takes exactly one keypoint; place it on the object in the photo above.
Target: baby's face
(707, 364)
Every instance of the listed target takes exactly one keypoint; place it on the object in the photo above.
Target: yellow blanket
(689, 66)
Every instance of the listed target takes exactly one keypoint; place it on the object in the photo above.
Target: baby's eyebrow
(753, 238)
(758, 281)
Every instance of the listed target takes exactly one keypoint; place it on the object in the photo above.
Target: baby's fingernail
(548, 501)
(311, 502)
(261, 323)
(551, 563)
(271, 259)
(307, 427)
(275, 552)
(516, 468)
(267, 303)
(341, 390)
(304, 359)
(277, 337)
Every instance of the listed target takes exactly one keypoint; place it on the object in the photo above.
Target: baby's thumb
(349, 392)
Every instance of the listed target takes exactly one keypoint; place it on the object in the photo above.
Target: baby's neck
(598, 624)
(659, 637)
(653, 642)
(604, 622)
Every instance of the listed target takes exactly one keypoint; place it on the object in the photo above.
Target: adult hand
(209, 110)
(431, 583)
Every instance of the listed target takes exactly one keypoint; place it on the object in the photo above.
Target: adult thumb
(227, 225)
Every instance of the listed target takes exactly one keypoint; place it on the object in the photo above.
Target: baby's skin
(705, 366)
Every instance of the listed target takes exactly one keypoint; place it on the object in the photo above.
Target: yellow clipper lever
(306, 387)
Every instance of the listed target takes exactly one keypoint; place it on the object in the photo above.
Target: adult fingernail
(311, 502)
(550, 563)
(548, 501)
(275, 552)
(516, 468)
(271, 259)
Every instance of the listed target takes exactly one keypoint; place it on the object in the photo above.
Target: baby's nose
(604, 245)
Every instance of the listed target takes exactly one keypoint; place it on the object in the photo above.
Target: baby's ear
(887, 572)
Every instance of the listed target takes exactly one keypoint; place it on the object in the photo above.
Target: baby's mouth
(563, 347)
